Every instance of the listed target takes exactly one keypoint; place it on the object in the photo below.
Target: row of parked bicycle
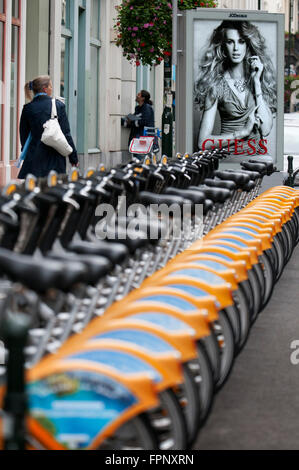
(144, 372)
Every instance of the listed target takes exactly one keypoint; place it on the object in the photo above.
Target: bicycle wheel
(225, 337)
(136, 434)
(273, 258)
(258, 269)
(244, 314)
(293, 230)
(277, 243)
(246, 289)
(296, 218)
(269, 278)
(291, 236)
(203, 378)
(234, 319)
(287, 242)
(256, 293)
(168, 422)
(212, 350)
(190, 402)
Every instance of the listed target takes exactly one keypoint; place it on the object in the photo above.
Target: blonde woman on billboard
(236, 78)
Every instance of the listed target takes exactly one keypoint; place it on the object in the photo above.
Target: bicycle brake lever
(68, 199)
(8, 208)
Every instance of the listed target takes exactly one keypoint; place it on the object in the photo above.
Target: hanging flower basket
(144, 28)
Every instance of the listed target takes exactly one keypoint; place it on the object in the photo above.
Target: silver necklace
(240, 84)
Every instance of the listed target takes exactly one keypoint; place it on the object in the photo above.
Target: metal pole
(174, 32)
(289, 44)
(174, 54)
(259, 5)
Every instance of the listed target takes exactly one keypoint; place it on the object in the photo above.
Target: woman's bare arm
(263, 111)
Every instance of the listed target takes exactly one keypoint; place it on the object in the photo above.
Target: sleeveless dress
(234, 114)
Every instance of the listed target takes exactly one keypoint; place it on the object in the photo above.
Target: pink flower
(129, 28)
(152, 49)
(146, 25)
(151, 24)
(138, 40)
(169, 5)
(133, 35)
(131, 8)
(135, 28)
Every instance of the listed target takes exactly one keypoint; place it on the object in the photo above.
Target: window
(142, 78)
(66, 36)
(93, 98)
(95, 19)
(14, 92)
(64, 69)
(95, 44)
(65, 13)
(15, 8)
(15, 80)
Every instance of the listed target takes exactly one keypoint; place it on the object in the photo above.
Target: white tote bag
(53, 135)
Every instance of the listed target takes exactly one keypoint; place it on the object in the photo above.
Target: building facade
(74, 42)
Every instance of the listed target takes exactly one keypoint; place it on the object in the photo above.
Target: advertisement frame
(185, 74)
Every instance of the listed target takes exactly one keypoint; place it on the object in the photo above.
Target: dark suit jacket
(41, 158)
(146, 114)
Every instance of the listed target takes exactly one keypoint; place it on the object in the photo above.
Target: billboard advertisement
(230, 84)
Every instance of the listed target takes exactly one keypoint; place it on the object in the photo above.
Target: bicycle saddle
(147, 198)
(259, 167)
(116, 252)
(231, 185)
(239, 178)
(215, 194)
(269, 165)
(38, 275)
(97, 266)
(195, 196)
(254, 175)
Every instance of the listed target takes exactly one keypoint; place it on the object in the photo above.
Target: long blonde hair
(215, 63)
(36, 86)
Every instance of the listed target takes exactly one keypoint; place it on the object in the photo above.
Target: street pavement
(291, 138)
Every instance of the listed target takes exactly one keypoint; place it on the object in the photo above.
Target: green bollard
(14, 330)
(290, 179)
(167, 132)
